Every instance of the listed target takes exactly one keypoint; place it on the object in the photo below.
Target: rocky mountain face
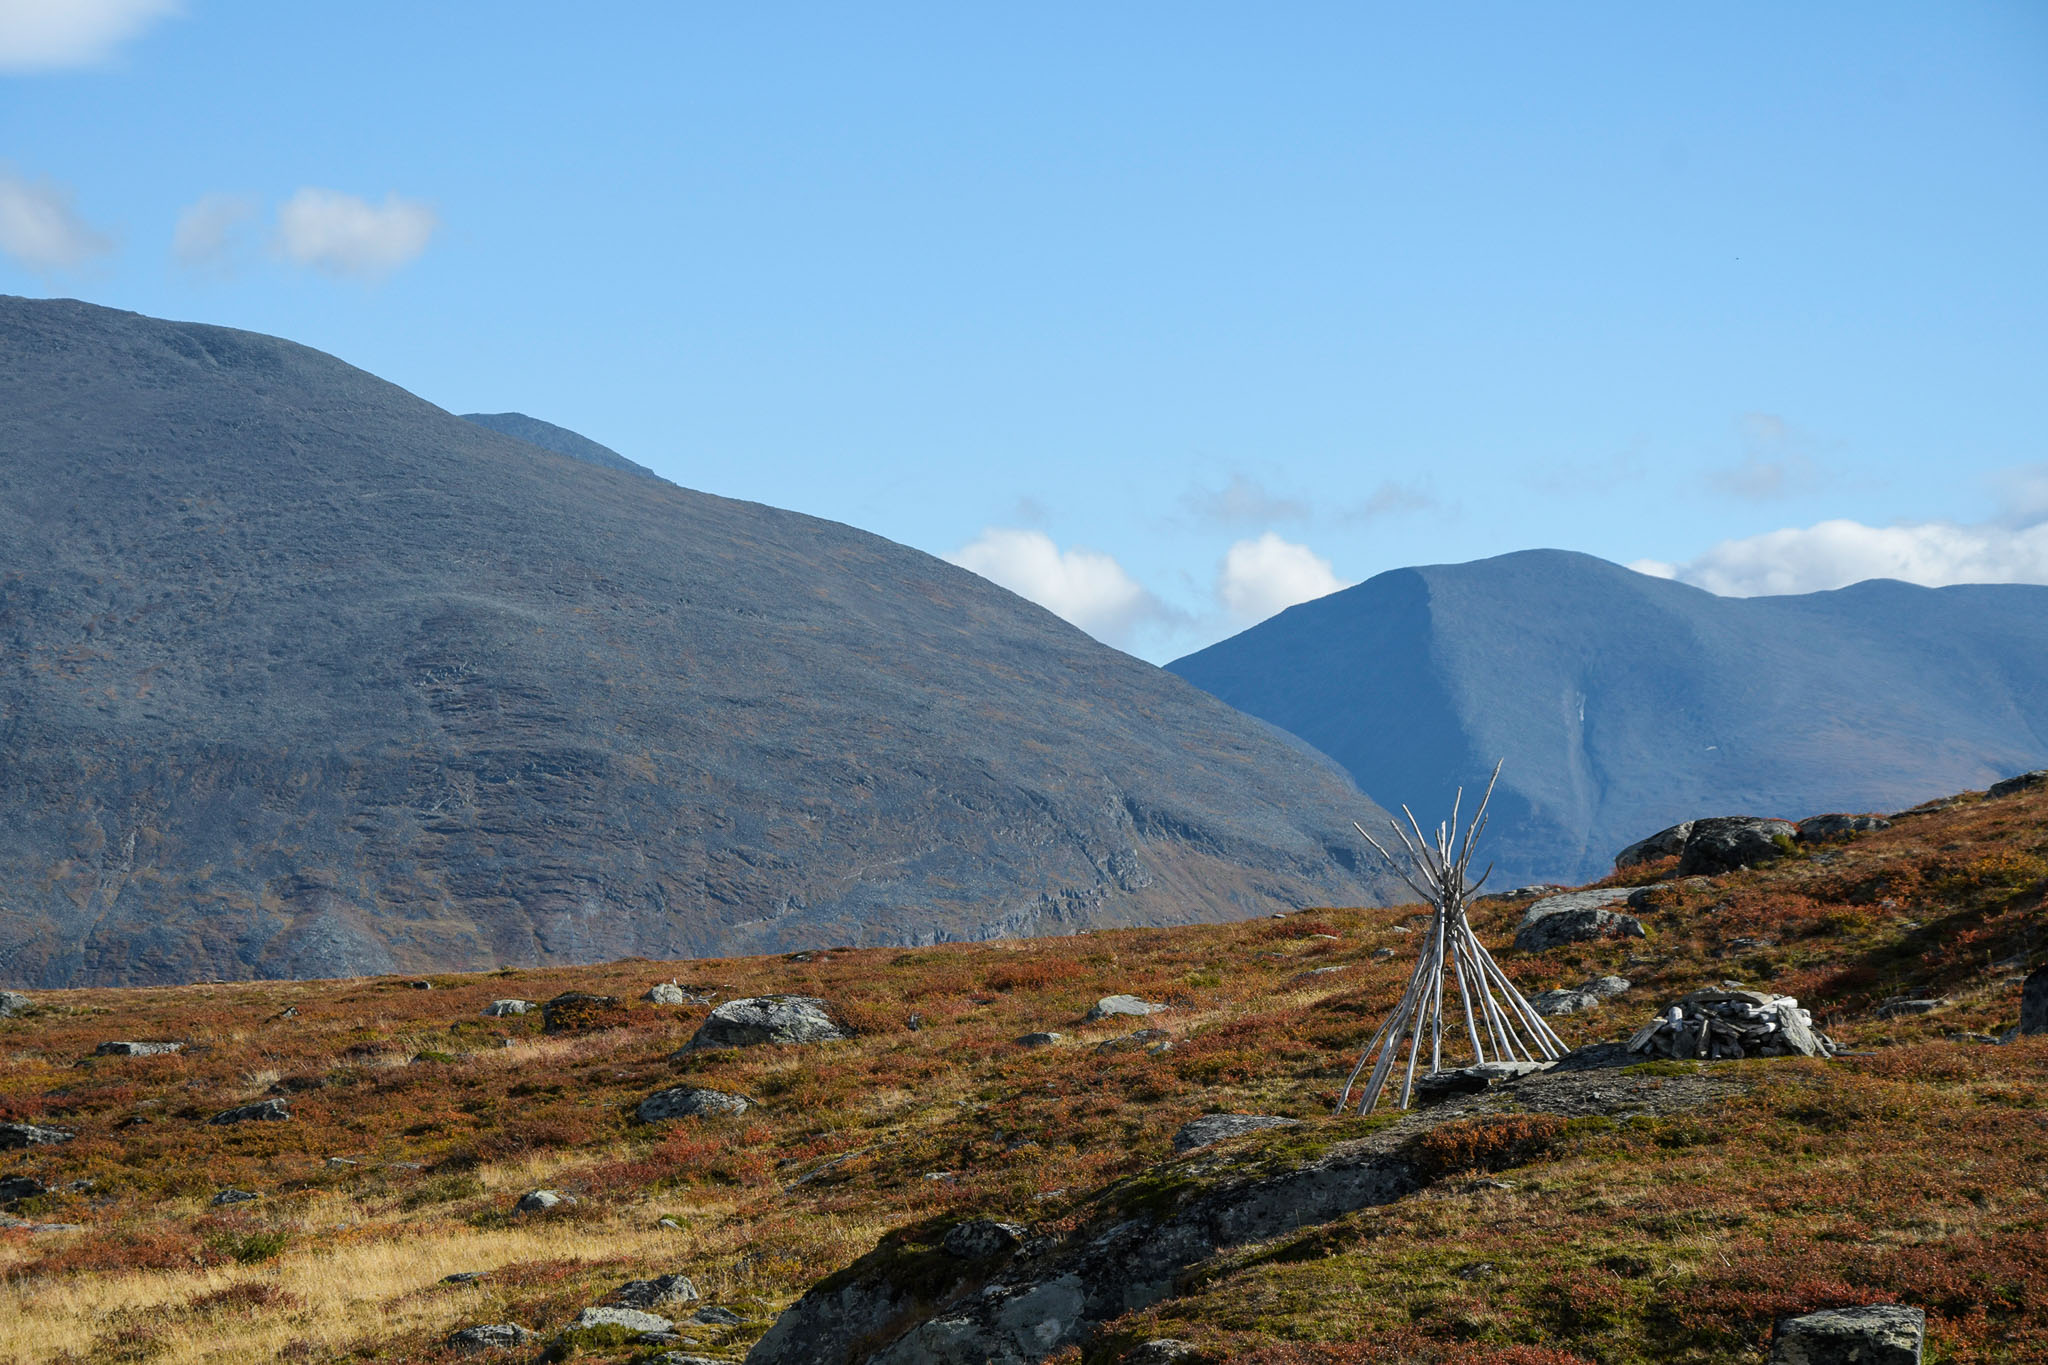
(1624, 704)
(304, 676)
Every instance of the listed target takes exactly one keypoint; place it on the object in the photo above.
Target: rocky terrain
(302, 676)
(1623, 703)
(1109, 1147)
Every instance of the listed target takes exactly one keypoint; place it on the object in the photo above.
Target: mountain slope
(1624, 703)
(561, 440)
(305, 676)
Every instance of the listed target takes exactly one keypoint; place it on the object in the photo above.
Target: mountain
(1624, 703)
(561, 440)
(304, 676)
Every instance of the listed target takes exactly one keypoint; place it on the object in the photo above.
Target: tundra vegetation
(1912, 1170)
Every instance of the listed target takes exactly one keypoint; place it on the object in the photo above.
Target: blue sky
(1165, 315)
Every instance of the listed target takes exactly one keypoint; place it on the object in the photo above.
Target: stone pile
(1727, 1023)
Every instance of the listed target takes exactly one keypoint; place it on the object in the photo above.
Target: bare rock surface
(13, 1003)
(788, 1020)
(137, 1049)
(492, 1336)
(2023, 782)
(1820, 828)
(263, 1111)
(32, 1135)
(1874, 1334)
(1727, 843)
(690, 1102)
(663, 1289)
(541, 1201)
(1113, 1006)
(501, 1009)
(611, 1315)
(1583, 925)
(1220, 1127)
(1665, 843)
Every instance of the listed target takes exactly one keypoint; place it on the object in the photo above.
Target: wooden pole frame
(1436, 867)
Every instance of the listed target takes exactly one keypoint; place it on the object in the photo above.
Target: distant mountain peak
(561, 440)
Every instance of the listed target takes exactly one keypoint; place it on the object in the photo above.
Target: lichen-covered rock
(226, 1197)
(136, 1049)
(1727, 843)
(1665, 843)
(13, 1003)
(263, 1111)
(777, 1019)
(690, 1102)
(492, 1336)
(670, 993)
(2020, 783)
(977, 1239)
(656, 1292)
(610, 1315)
(1039, 1039)
(1110, 1006)
(1218, 1127)
(1576, 926)
(541, 1201)
(1816, 829)
(1552, 1004)
(32, 1135)
(930, 1308)
(500, 1009)
(1875, 1334)
(1565, 902)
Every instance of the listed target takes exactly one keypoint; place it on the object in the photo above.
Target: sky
(1163, 315)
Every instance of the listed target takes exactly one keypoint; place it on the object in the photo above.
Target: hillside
(304, 676)
(1625, 703)
(561, 440)
(1663, 1212)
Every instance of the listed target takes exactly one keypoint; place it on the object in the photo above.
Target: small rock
(1399, 929)
(136, 1049)
(32, 1135)
(494, 1336)
(1039, 1039)
(499, 1009)
(1219, 1127)
(671, 1224)
(1606, 987)
(669, 993)
(786, 1020)
(1478, 1270)
(2034, 1002)
(1162, 1351)
(1876, 1334)
(464, 1277)
(1665, 843)
(1150, 1039)
(690, 1102)
(1900, 1006)
(2021, 783)
(1728, 842)
(226, 1197)
(541, 1201)
(714, 1316)
(15, 1187)
(656, 1292)
(1470, 1080)
(1819, 828)
(1110, 1006)
(1552, 1004)
(977, 1239)
(915, 1023)
(632, 1319)
(421, 985)
(263, 1111)
(1382, 954)
(13, 1003)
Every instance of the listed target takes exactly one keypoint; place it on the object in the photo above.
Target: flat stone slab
(632, 1319)
(1875, 1334)
(1219, 1127)
(1110, 1006)
(492, 1336)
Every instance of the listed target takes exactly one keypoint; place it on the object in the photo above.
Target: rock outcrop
(663, 1289)
(1665, 843)
(1221, 1127)
(1876, 1334)
(32, 1135)
(501, 1009)
(1576, 917)
(1727, 843)
(13, 1003)
(492, 1336)
(1815, 829)
(787, 1020)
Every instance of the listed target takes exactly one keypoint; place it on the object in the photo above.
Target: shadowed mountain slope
(561, 440)
(1624, 703)
(305, 676)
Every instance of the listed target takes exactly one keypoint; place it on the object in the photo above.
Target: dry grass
(1914, 1171)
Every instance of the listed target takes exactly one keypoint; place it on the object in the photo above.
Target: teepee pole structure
(1497, 1019)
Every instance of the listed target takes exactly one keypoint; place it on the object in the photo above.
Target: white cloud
(208, 235)
(340, 234)
(1834, 554)
(40, 35)
(1243, 502)
(1268, 575)
(1085, 587)
(40, 229)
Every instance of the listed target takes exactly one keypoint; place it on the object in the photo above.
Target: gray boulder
(977, 1239)
(1110, 1006)
(1595, 898)
(263, 1111)
(1876, 1334)
(136, 1049)
(690, 1102)
(32, 1135)
(1576, 926)
(492, 1336)
(2034, 1002)
(1820, 828)
(541, 1201)
(1727, 843)
(1665, 843)
(656, 1292)
(1218, 1127)
(669, 993)
(1471, 1080)
(1553, 1004)
(714, 1316)
(2021, 783)
(1039, 1039)
(781, 1019)
(632, 1319)
(1606, 987)
(499, 1009)
(226, 1197)
(13, 1187)
(13, 1003)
